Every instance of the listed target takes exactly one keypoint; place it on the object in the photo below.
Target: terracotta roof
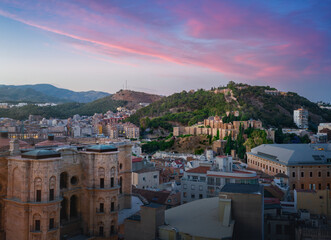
(281, 175)
(49, 143)
(137, 159)
(4, 143)
(306, 190)
(201, 169)
(159, 197)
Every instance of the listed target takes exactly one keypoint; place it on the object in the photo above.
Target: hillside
(65, 110)
(135, 98)
(187, 108)
(46, 93)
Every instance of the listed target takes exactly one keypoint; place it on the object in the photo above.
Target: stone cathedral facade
(51, 194)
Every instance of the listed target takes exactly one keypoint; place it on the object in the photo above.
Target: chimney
(14, 147)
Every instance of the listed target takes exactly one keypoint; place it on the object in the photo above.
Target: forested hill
(187, 108)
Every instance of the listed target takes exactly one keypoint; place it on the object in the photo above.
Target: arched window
(64, 207)
(63, 180)
(36, 222)
(101, 227)
(112, 228)
(101, 203)
(52, 184)
(37, 188)
(51, 224)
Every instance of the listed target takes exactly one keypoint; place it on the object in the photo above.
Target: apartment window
(319, 186)
(202, 179)
(102, 183)
(112, 229)
(319, 174)
(276, 170)
(37, 225)
(192, 187)
(51, 194)
(273, 169)
(218, 181)
(293, 186)
(192, 196)
(112, 207)
(155, 176)
(211, 181)
(328, 185)
(302, 186)
(38, 196)
(51, 223)
(311, 174)
(101, 207)
(293, 174)
(328, 174)
(144, 179)
(302, 174)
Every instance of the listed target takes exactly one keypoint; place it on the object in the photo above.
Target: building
(208, 218)
(146, 178)
(306, 165)
(54, 193)
(300, 118)
(207, 180)
(247, 205)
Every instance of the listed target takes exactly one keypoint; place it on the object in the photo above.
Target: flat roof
(242, 188)
(199, 218)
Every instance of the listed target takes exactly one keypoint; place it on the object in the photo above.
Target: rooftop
(242, 188)
(294, 154)
(200, 169)
(199, 218)
(41, 154)
(101, 148)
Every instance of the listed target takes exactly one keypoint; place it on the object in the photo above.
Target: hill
(135, 98)
(65, 110)
(187, 108)
(46, 93)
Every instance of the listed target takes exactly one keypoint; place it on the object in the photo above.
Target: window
(112, 182)
(74, 180)
(200, 196)
(51, 194)
(37, 225)
(144, 179)
(276, 170)
(278, 229)
(192, 187)
(38, 196)
(293, 186)
(121, 166)
(319, 186)
(218, 181)
(51, 223)
(184, 186)
(102, 183)
(200, 188)
(101, 231)
(302, 186)
(202, 179)
(210, 181)
(112, 229)
(112, 206)
(293, 174)
(319, 174)
(302, 174)
(101, 207)
(328, 174)
(155, 176)
(184, 194)
(311, 174)
(192, 196)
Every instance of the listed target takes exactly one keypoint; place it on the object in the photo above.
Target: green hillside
(187, 108)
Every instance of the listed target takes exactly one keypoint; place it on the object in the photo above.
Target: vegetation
(153, 146)
(280, 137)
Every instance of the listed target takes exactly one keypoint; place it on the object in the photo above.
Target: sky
(167, 46)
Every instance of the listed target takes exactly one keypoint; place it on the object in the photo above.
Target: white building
(300, 118)
(146, 178)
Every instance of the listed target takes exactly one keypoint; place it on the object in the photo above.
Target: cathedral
(53, 193)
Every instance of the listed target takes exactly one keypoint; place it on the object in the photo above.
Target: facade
(49, 194)
(146, 178)
(300, 118)
(306, 165)
(207, 181)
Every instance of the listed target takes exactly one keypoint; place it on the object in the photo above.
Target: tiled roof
(137, 159)
(201, 169)
(159, 197)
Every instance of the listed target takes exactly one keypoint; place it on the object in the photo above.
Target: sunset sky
(167, 46)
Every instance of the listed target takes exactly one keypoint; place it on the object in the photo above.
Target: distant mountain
(135, 98)
(46, 93)
(187, 108)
